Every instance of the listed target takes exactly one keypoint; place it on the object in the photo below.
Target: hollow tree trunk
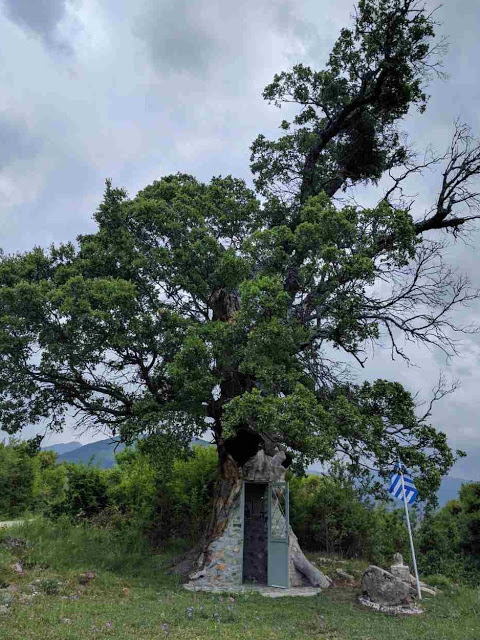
(218, 560)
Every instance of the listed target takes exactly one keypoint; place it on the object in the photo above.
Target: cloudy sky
(95, 89)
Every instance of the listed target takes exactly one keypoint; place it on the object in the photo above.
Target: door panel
(242, 534)
(255, 539)
(278, 530)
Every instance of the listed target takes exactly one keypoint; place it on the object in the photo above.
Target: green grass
(132, 597)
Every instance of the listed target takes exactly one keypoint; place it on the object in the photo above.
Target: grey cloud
(40, 17)
(198, 37)
(468, 468)
(177, 36)
(16, 141)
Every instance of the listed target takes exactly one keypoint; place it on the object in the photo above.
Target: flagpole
(410, 536)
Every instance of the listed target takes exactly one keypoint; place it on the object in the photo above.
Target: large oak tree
(195, 302)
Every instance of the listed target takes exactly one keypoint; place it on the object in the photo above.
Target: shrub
(389, 534)
(133, 487)
(184, 501)
(437, 581)
(16, 479)
(85, 494)
(50, 480)
(449, 540)
(327, 516)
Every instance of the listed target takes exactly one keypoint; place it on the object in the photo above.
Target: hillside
(63, 447)
(101, 453)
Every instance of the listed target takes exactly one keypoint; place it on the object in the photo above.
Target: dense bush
(49, 481)
(184, 500)
(165, 503)
(133, 487)
(30, 480)
(449, 540)
(85, 493)
(168, 500)
(328, 516)
(16, 479)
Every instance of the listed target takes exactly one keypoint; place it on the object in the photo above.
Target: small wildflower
(232, 599)
(189, 611)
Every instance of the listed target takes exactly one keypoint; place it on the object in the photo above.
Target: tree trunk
(218, 560)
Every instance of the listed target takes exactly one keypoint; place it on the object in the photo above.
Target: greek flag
(395, 489)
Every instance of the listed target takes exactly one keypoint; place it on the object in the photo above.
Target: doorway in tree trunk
(255, 539)
(250, 537)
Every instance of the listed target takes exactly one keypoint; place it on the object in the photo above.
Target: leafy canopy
(209, 301)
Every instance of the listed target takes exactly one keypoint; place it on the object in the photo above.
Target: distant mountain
(100, 453)
(449, 489)
(200, 442)
(63, 447)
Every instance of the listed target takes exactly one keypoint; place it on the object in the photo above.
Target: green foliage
(49, 586)
(437, 580)
(328, 516)
(449, 540)
(140, 493)
(470, 513)
(30, 480)
(191, 490)
(49, 483)
(388, 534)
(132, 486)
(345, 129)
(16, 479)
(86, 492)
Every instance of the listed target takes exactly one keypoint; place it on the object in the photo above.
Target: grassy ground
(131, 597)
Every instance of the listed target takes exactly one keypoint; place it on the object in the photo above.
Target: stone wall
(223, 564)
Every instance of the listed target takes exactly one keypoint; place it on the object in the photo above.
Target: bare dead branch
(458, 201)
(439, 391)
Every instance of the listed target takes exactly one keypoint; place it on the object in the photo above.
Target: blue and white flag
(395, 489)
